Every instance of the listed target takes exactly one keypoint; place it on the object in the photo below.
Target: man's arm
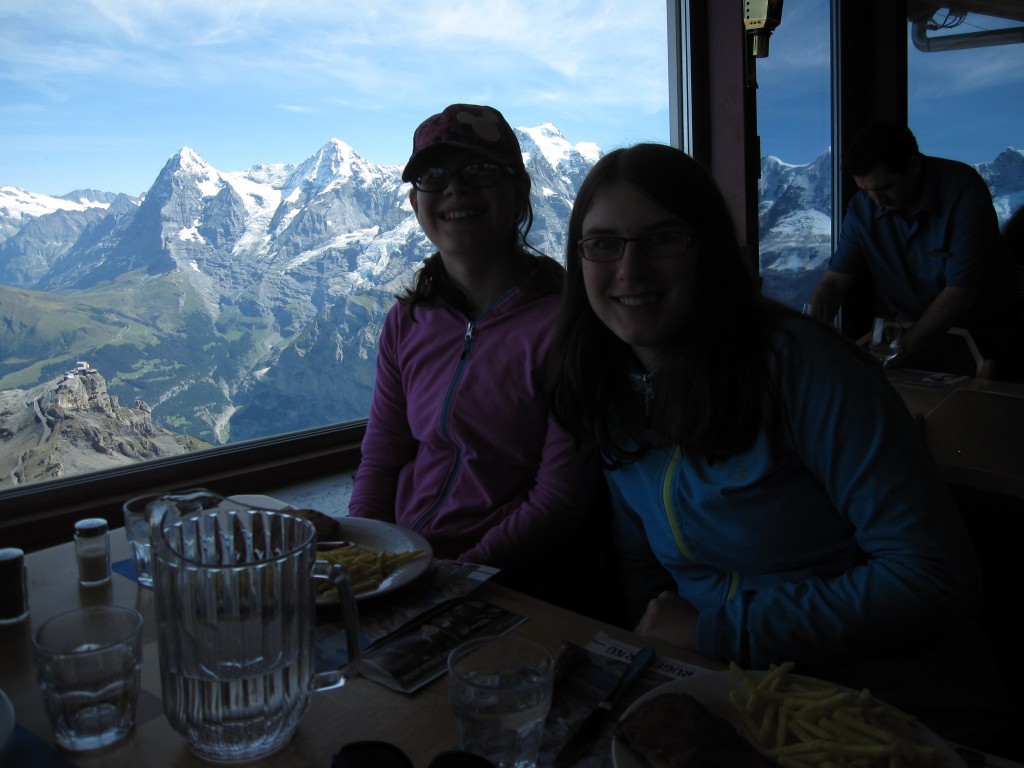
(943, 312)
(831, 292)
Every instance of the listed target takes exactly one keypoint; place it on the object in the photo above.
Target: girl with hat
(460, 445)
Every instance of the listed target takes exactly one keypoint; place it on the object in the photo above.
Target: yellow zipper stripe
(673, 522)
(734, 586)
(666, 500)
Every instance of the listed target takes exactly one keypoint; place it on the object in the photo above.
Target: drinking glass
(500, 693)
(825, 313)
(87, 663)
(143, 512)
(235, 606)
(886, 339)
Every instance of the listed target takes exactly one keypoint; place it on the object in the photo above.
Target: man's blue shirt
(950, 241)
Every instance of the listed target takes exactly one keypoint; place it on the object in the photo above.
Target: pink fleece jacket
(460, 445)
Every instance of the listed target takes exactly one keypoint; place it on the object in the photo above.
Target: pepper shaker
(92, 547)
(13, 587)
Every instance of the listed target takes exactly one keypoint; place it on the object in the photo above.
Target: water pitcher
(235, 600)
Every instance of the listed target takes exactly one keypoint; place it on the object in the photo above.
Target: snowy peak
(188, 167)
(189, 161)
(334, 164)
(549, 142)
(92, 198)
(15, 202)
(1005, 174)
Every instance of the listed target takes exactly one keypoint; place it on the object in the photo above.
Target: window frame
(43, 513)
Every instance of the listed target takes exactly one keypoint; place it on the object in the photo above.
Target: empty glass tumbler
(87, 663)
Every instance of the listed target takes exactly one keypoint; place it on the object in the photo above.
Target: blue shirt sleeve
(916, 569)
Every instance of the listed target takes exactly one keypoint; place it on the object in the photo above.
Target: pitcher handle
(338, 575)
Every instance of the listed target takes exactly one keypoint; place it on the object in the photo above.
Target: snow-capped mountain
(795, 213)
(17, 204)
(240, 304)
(1005, 179)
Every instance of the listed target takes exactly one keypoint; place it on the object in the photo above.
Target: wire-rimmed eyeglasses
(479, 174)
(662, 244)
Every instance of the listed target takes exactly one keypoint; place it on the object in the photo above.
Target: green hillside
(149, 336)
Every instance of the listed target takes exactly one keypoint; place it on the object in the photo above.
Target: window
(964, 102)
(961, 105)
(243, 296)
(794, 122)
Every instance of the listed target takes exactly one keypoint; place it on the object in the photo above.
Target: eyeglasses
(479, 175)
(653, 245)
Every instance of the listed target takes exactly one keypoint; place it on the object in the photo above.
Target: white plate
(370, 533)
(712, 689)
(6, 721)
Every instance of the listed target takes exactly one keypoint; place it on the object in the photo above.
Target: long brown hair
(710, 395)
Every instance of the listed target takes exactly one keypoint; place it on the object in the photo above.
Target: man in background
(925, 229)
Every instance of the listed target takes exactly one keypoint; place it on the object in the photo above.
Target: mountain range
(242, 304)
(234, 304)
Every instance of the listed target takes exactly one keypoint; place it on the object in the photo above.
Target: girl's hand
(672, 620)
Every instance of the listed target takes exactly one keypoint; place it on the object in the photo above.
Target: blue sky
(967, 105)
(100, 93)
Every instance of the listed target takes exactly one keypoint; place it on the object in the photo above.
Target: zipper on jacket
(426, 517)
(647, 379)
(673, 522)
(666, 500)
(467, 340)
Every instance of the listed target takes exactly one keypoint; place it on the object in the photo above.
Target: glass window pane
(229, 279)
(794, 122)
(965, 104)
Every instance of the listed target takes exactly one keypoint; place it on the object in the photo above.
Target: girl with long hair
(773, 500)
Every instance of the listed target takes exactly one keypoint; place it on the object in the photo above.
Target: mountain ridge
(246, 303)
(72, 425)
(278, 262)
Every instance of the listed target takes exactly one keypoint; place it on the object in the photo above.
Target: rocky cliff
(72, 425)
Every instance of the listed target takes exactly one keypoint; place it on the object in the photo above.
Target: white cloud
(389, 47)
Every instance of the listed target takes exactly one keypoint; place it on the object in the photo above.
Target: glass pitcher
(235, 605)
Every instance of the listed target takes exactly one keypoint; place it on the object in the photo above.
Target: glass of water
(87, 663)
(500, 694)
(143, 512)
(886, 340)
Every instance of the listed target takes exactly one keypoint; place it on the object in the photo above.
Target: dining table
(972, 427)
(421, 723)
(924, 391)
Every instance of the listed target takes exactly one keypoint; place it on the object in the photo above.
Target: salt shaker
(13, 588)
(92, 547)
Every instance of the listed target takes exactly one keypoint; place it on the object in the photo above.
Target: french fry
(824, 726)
(367, 567)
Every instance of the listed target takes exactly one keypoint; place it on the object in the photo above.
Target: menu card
(406, 636)
(922, 378)
(587, 681)
(420, 655)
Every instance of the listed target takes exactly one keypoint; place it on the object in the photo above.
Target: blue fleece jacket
(840, 548)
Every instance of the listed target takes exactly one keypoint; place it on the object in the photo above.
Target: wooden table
(973, 428)
(921, 400)
(420, 724)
